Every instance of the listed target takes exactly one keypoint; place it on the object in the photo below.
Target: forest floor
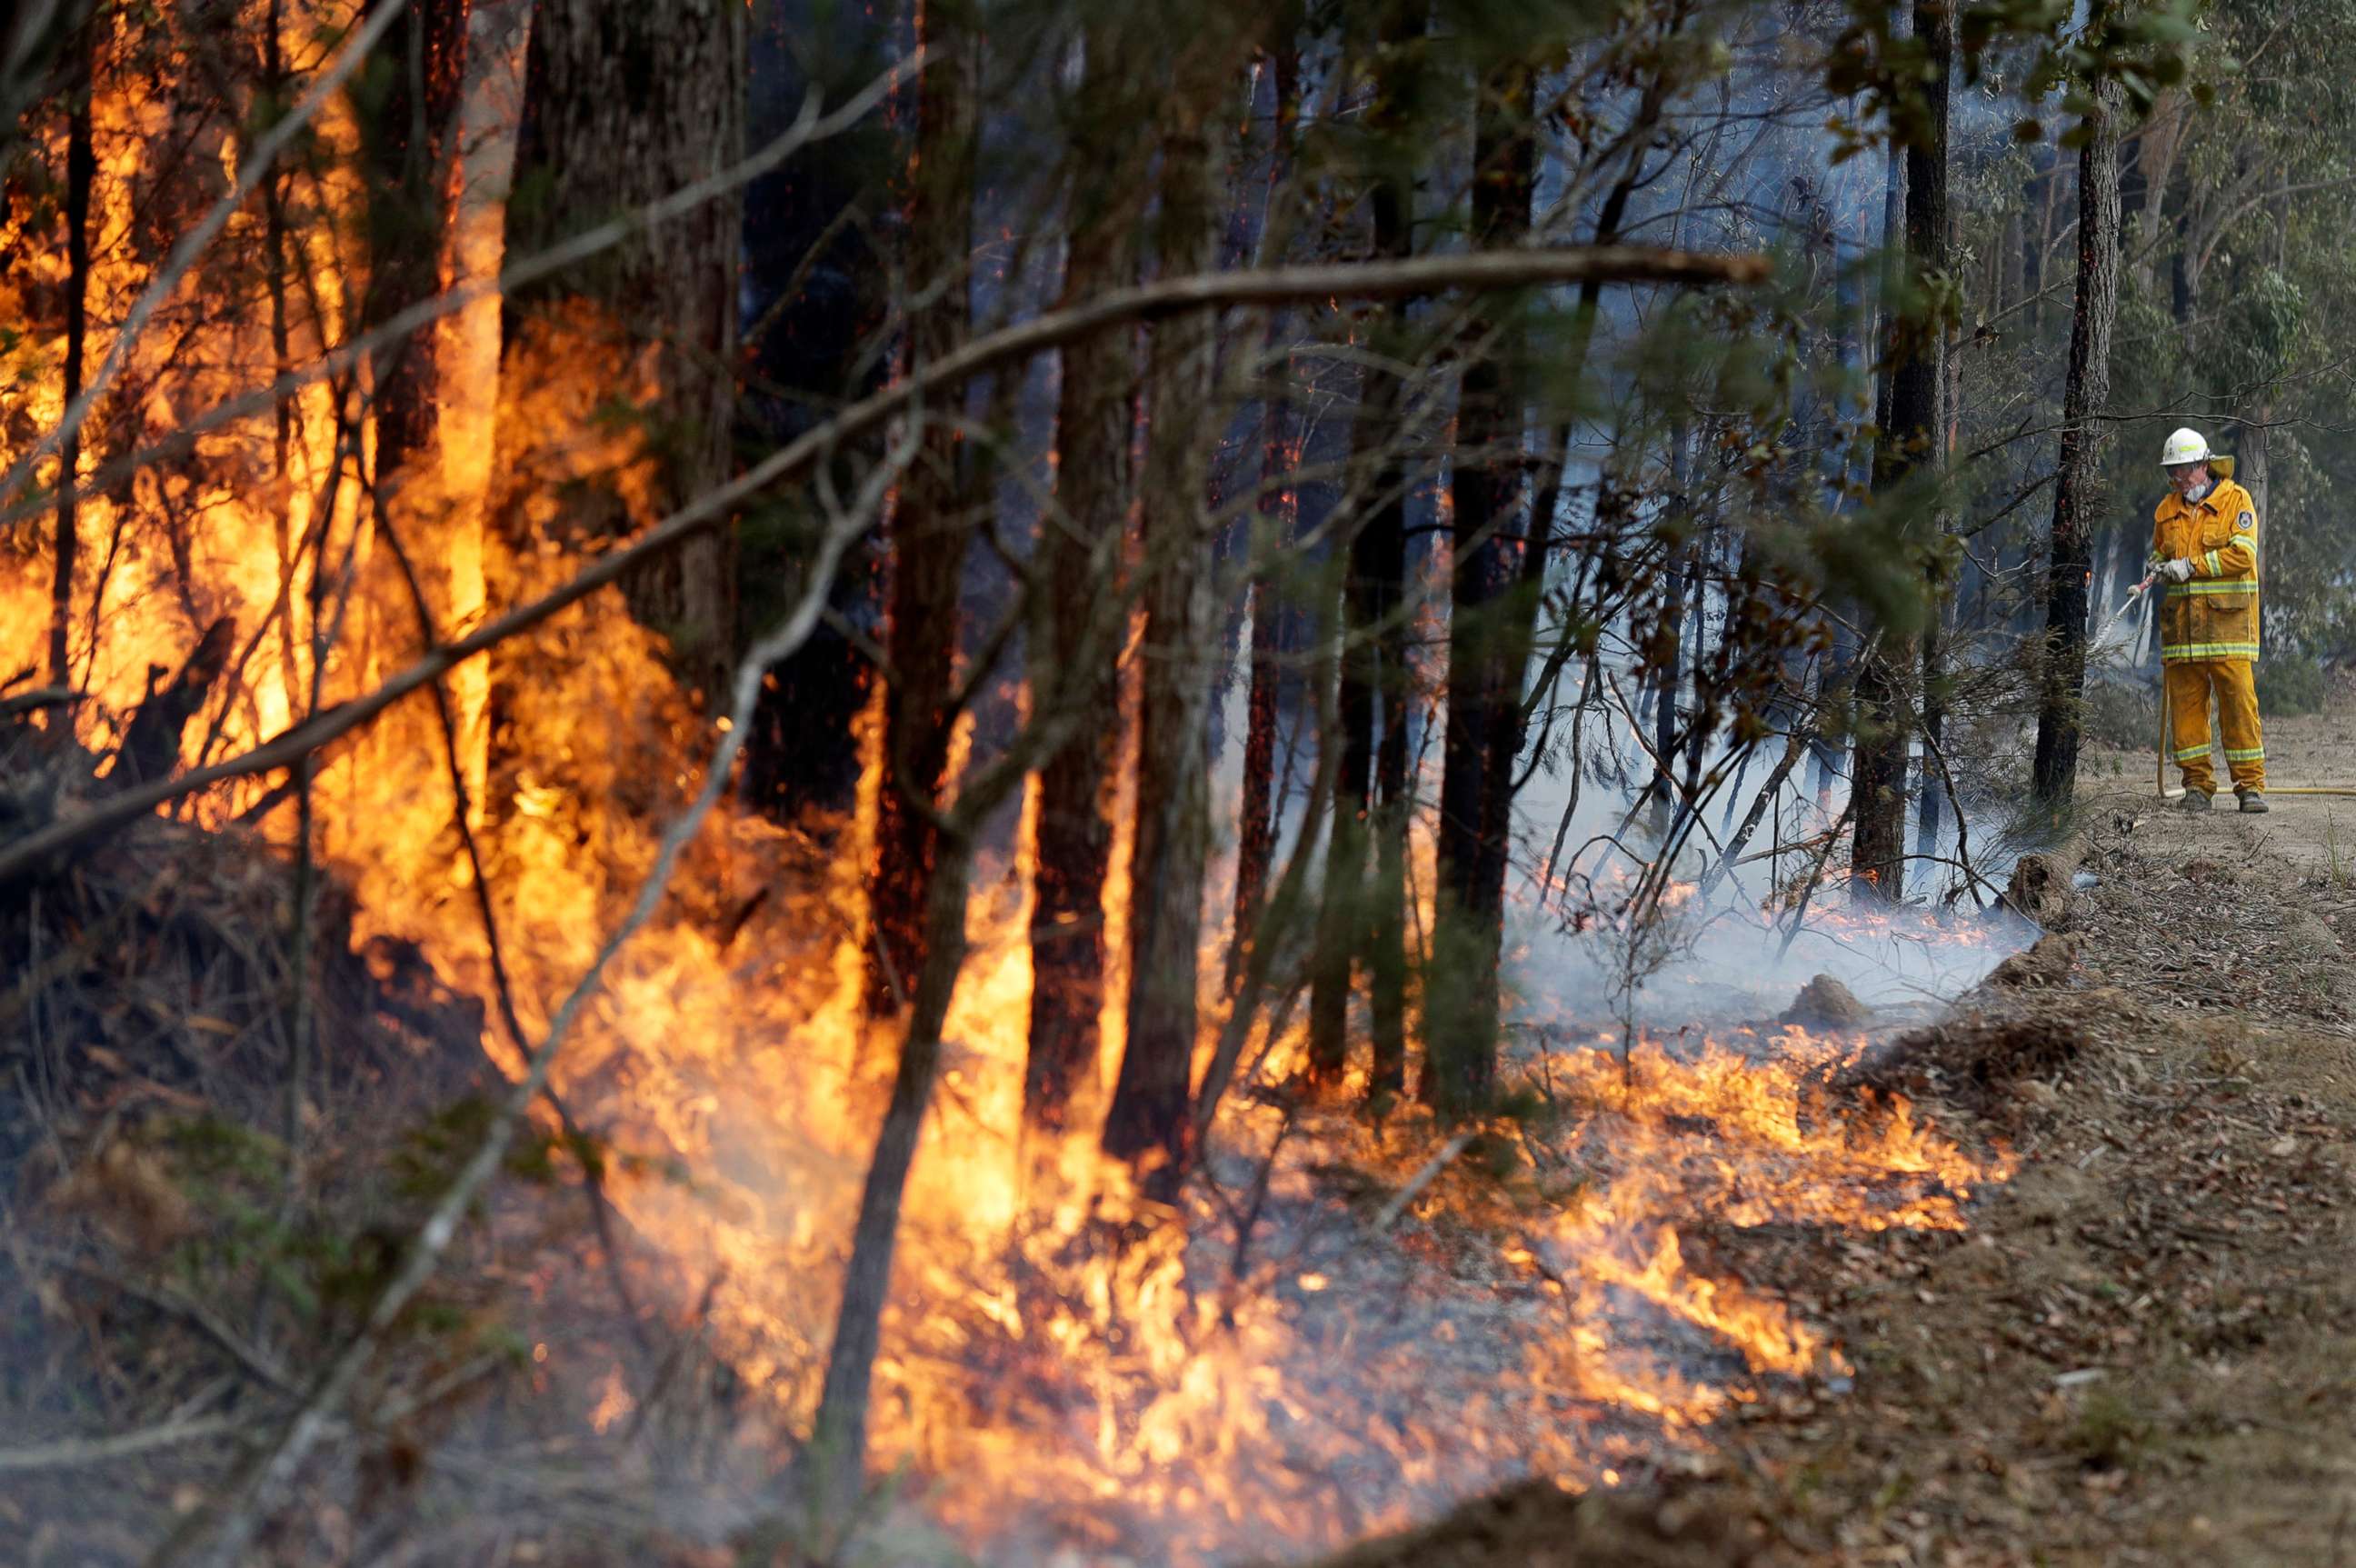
(2143, 1349)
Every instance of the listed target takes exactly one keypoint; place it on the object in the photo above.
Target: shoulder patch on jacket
(2248, 520)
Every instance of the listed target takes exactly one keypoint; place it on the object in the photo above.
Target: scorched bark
(927, 533)
(1078, 553)
(625, 103)
(1148, 1123)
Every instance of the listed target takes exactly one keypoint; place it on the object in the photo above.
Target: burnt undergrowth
(197, 1216)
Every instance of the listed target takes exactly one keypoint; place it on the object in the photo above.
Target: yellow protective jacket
(2214, 616)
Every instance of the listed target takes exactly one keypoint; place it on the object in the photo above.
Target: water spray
(2135, 596)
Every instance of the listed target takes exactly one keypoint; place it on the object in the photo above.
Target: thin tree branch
(73, 1451)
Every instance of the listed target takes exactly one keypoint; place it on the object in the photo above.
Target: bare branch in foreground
(73, 1451)
(1260, 287)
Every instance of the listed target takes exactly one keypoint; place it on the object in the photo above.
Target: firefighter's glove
(2177, 571)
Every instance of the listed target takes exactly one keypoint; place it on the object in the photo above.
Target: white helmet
(2184, 446)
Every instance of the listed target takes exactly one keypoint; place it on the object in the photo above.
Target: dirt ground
(2144, 1349)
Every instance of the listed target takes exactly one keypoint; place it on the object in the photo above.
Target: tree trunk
(1386, 958)
(625, 103)
(1893, 220)
(1148, 1123)
(1363, 918)
(1079, 551)
(81, 166)
(406, 102)
(835, 1464)
(1885, 727)
(1484, 690)
(2077, 487)
(2160, 143)
(1278, 512)
(408, 111)
(927, 533)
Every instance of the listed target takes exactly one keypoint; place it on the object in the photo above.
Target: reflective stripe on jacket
(2214, 616)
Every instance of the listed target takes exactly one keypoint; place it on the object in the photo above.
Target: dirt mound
(1975, 1061)
(1539, 1525)
(2306, 935)
(1826, 1003)
(2206, 872)
(2045, 965)
(2039, 888)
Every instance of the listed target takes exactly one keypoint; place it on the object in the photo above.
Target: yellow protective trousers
(2189, 683)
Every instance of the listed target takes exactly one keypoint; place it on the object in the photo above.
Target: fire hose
(2167, 737)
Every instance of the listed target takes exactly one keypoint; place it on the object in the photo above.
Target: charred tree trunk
(2076, 492)
(1277, 512)
(1484, 687)
(1340, 915)
(408, 112)
(1469, 1056)
(1365, 918)
(81, 166)
(625, 103)
(1385, 576)
(1148, 1123)
(929, 533)
(406, 104)
(1079, 551)
(1885, 672)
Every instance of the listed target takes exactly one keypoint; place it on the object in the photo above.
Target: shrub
(2122, 718)
(2291, 683)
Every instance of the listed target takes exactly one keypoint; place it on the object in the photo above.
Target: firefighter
(2204, 542)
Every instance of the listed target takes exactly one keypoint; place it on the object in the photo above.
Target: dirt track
(2144, 1351)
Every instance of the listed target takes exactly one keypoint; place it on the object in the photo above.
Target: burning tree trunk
(81, 166)
(408, 113)
(1080, 549)
(2075, 491)
(1362, 919)
(1483, 690)
(1147, 1123)
(1885, 729)
(927, 533)
(406, 102)
(625, 103)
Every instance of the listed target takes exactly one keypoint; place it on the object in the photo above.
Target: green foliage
(430, 1155)
(1878, 59)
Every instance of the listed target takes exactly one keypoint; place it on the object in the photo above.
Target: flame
(1055, 1366)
